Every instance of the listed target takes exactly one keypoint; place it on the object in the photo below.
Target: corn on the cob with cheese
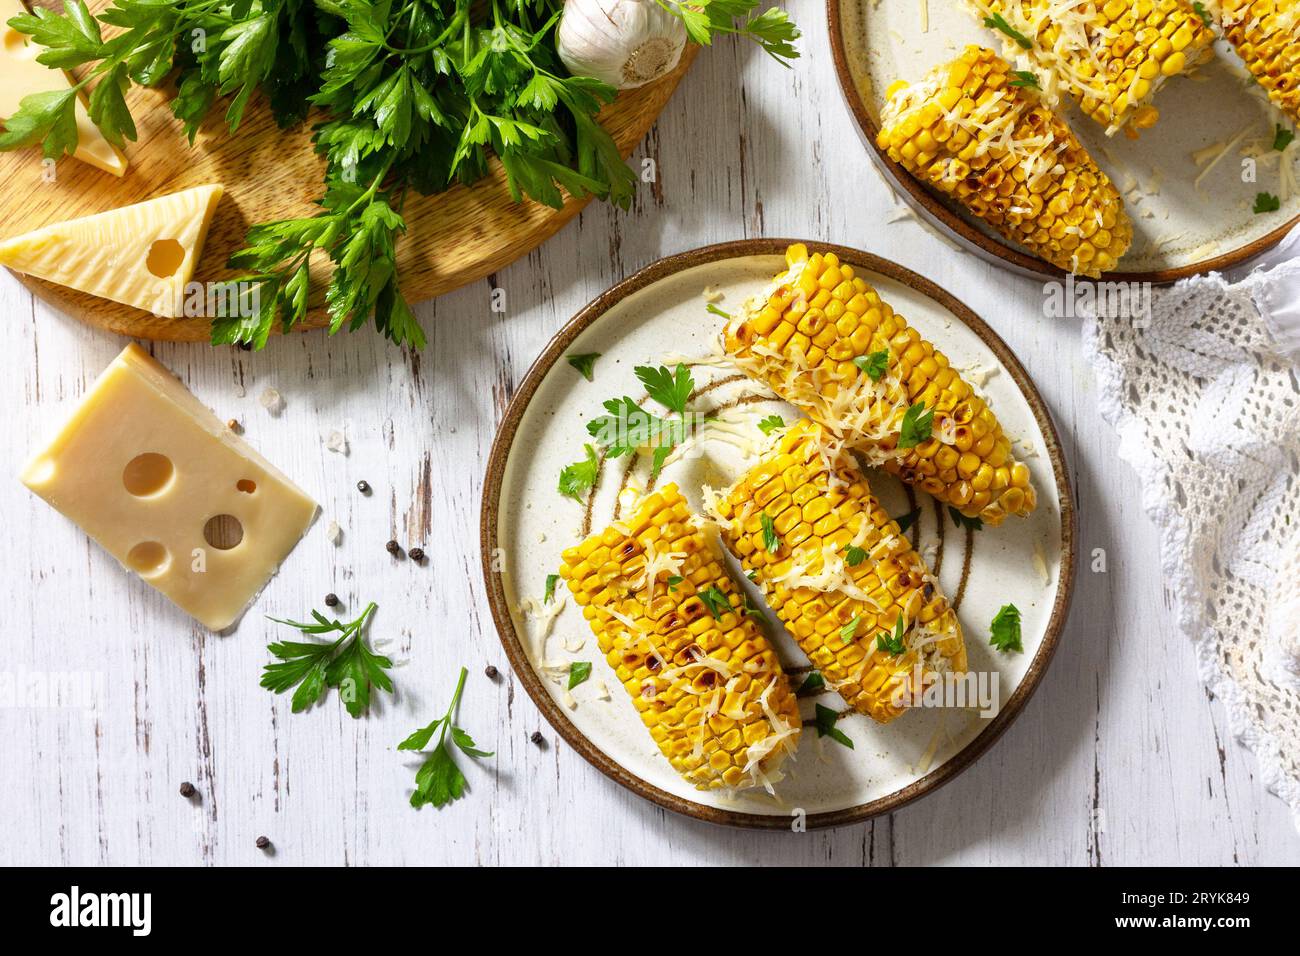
(673, 626)
(1109, 55)
(997, 149)
(802, 340)
(1266, 35)
(838, 572)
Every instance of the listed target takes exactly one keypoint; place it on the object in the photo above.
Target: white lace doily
(1205, 396)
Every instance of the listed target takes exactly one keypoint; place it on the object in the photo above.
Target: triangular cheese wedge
(21, 75)
(140, 255)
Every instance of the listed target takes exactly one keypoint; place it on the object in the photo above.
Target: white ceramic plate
(1179, 228)
(653, 318)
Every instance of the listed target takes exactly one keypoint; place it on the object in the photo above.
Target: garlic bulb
(626, 43)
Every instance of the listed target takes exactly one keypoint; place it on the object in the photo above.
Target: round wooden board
(453, 238)
(1227, 224)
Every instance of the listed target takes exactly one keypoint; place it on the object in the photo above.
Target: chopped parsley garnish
(1025, 79)
(717, 311)
(771, 540)
(1267, 202)
(964, 521)
(1004, 632)
(584, 363)
(752, 575)
(346, 664)
(892, 643)
(715, 601)
(874, 365)
(814, 681)
(771, 424)
(673, 581)
(579, 671)
(439, 781)
(906, 521)
(551, 581)
(854, 556)
(1282, 137)
(1203, 13)
(577, 479)
(825, 723)
(998, 22)
(917, 425)
(850, 629)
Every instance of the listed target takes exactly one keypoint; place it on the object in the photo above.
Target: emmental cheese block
(153, 476)
(141, 255)
(21, 75)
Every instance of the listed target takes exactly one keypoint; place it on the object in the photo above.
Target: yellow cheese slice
(21, 75)
(140, 255)
(152, 475)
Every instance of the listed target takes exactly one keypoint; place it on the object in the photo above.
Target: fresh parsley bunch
(439, 780)
(411, 94)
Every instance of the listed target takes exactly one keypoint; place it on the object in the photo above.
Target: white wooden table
(1120, 758)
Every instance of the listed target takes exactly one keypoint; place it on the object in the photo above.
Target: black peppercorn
(417, 554)
(537, 737)
(363, 487)
(263, 843)
(331, 599)
(491, 672)
(187, 789)
(393, 548)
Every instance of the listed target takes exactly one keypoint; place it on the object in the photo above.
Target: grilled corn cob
(1110, 55)
(795, 521)
(998, 150)
(703, 677)
(803, 340)
(1266, 35)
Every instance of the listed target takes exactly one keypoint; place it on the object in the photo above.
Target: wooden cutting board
(452, 238)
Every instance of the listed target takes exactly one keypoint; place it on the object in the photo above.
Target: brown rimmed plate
(1180, 228)
(659, 316)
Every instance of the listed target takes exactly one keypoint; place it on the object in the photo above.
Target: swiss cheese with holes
(21, 75)
(153, 476)
(141, 255)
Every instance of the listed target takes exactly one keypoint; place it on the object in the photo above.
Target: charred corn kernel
(1026, 171)
(967, 462)
(710, 689)
(1112, 57)
(1266, 35)
(836, 610)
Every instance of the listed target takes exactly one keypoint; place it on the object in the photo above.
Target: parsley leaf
(965, 521)
(771, 540)
(439, 780)
(673, 581)
(346, 664)
(579, 671)
(1025, 79)
(874, 365)
(917, 425)
(584, 363)
(892, 643)
(579, 478)
(1004, 632)
(551, 581)
(628, 427)
(812, 683)
(825, 723)
(1282, 137)
(998, 22)
(906, 521)
(717, 311)
(854, 555)
(1267, 202)
(1204, 14)
(717, 602)
(770, 424)
(849, 630)
(670, 389)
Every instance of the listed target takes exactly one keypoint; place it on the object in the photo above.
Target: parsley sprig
(439, 781)
(412, 95)
(346, 664)
(998, 22)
